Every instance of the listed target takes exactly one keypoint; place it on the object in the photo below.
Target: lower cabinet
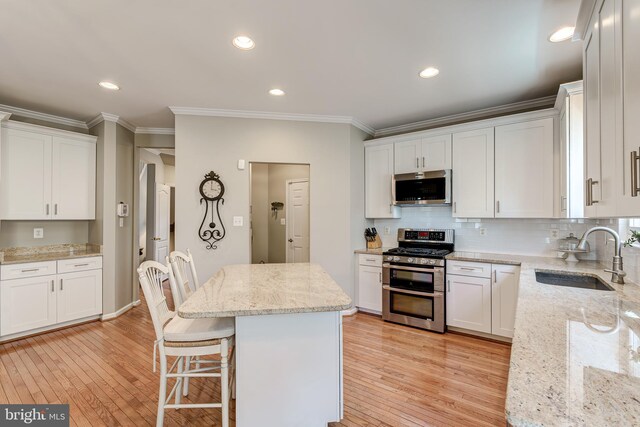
(370, 283)
(79, 295)
(484, 304)
(26, 304)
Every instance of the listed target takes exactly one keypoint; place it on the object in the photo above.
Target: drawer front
(79, 264)
(471, 269)
(372, 260)
(28, 269)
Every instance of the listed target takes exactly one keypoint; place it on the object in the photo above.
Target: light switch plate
(283, 221)
(238, 221)
(38, 233)
(387, 231)
(483, 231)
(241, 164)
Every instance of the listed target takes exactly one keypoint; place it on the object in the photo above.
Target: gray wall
(124, 234)
(216, 143)
(260, 212)
(20, 233)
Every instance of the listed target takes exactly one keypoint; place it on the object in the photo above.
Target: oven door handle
(425, 269)
(405, 291)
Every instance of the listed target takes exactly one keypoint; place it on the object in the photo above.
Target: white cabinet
(524, 170)
(27, 304)
(504, 297)
(469, 303)
(482, 297)
(473, 173)
(79, 295)
(370, 283)
(33, 297)
(378, 181)
(429, 153)
(46, 173)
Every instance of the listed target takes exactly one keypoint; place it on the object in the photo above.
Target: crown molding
(23, 112)
(4, 116)
(243, 114)
(584, 16)
(156, 131)
(29, 127)
(108, 117)
(547, 101)
(567, 89)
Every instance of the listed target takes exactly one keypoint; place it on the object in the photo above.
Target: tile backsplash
(516, 236)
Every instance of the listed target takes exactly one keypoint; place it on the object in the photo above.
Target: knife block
(376, 244)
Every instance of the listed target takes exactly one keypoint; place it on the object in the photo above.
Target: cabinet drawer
(29, 269)
(472, 269)
(79, 264)
(372, 260)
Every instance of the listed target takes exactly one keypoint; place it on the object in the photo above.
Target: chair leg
(179, 380)
(224, 379)
(162, 394)
(233, 370)
(185, 390)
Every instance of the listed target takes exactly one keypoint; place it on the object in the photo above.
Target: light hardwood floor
(393, 375)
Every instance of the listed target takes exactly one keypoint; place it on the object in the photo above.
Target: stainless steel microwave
(422, 188)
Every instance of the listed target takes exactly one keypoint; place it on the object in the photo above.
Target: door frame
(286, 214)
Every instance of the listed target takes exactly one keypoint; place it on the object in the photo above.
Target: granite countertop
(258, 289)
(20, 255)
(575, 356)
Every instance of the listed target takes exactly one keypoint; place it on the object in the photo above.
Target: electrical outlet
(38, 233)
(554, 233)
(483, 231)
(387, 230)
(238, 221)
(283, 221)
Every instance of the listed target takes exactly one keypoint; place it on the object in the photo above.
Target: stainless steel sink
(561, 278)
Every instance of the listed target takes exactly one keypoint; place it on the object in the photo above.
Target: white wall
(512, 236)
(216, 143)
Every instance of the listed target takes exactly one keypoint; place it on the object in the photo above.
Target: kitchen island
(288, 340)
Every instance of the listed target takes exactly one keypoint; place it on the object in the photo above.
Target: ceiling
(357, 58)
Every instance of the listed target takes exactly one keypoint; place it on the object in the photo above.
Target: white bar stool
(185, 338)
(183, 265)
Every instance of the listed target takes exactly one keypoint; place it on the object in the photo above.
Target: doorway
(279, 212)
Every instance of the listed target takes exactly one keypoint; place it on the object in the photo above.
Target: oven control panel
(425, 235)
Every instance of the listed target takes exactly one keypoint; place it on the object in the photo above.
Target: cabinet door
(629, 204)
(407, 156)
(524, 170)
(504, 297)
(591, 71)
(73, 179)
(378, 174)
(27, 304)
(473, 175)
(25, 183)
(436, 153)
(370, 288)
(79, 295)
(469, 303)
(564, 161)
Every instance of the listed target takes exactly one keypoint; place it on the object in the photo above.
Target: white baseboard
(350, 312)
(110, 316)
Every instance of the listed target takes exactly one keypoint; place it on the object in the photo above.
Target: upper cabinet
(473, 175)
(524, 170)
(378, 178)
(610, 30)
(423, 154)
(46, 173)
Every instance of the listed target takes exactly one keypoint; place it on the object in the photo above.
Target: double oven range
(413, 277)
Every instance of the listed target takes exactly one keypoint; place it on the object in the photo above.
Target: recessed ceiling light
(243, 42)
(109, 85)
(429, 72)
(564, 33)
(276, 92)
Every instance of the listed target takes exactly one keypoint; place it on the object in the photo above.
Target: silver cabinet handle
(468, 269)
(417, 162)
(495, 276)
(61, 286)
(52, 286)
(81, 265)
(497, 206)
(47, 208)
(448, 285)
(635, 157)
(30, 270)
(563, 203)
(55, 209)
(422, 161)
(380, 277)
(589, 190)
(455, 206)
(370, 259)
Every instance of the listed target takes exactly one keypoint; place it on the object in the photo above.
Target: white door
(473, 174)
(79, 295)
(591, 67)
(524, 184)
(27, 304)
(407, 156)
(436, 153)
(377, 184)
(504, 297)
(73, 179)
(469, 303)
(161, 223)
(297, 218)
(370, 288)
(25, 183)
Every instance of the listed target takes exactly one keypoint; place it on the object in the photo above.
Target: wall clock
(211, 190)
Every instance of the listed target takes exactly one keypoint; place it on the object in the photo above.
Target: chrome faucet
(617, 274)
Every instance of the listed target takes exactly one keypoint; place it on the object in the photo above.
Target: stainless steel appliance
(422, 188)
(413, 277)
